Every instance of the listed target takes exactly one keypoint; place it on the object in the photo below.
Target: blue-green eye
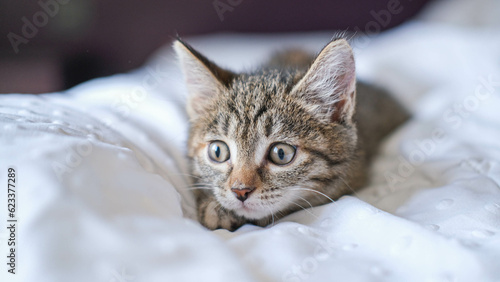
(218, 151)
(281, 153)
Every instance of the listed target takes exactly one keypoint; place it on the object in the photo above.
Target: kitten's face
(260, 149)
(270, 142)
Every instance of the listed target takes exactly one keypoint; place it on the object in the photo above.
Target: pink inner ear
(339, 111)
(346, 80)
(346, 84)
(347, 75)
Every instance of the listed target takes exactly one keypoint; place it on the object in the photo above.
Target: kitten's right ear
(329, 86)
(203, 78)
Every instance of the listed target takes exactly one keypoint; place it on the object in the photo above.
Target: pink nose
(242, 193)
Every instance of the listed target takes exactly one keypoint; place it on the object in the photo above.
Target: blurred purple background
(50, 45)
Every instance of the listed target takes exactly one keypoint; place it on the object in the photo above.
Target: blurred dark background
(50, 45)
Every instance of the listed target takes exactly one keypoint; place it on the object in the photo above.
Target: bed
(103, 194)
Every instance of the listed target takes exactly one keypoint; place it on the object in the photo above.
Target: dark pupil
(281, 154)
(217, 151)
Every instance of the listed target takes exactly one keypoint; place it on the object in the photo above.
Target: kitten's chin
(249, 212)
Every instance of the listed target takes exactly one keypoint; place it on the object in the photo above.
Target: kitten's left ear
(329, 86)
(204, 79)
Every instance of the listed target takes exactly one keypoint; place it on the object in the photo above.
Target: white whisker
(307, 210)
(187, 174)
(272, 215)
(311, 190)
(305, 200)
(354, 191)
(199, 184)
(198, 188)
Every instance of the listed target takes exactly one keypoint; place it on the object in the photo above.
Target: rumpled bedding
(103, 188)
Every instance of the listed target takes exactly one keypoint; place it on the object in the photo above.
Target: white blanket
(103, 192)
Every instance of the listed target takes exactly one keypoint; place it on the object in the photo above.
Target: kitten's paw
(213, 216)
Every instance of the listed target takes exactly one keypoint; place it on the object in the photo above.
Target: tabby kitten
(285, 137)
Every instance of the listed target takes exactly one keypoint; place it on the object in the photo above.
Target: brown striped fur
(307, 102)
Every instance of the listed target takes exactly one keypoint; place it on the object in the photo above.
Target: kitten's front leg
(213, 216)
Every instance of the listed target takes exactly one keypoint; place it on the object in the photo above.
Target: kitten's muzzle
(242, 193)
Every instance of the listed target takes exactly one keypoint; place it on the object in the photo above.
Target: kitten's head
(267, 141)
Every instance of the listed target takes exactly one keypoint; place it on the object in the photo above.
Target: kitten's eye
(218, 151)
(281, 153)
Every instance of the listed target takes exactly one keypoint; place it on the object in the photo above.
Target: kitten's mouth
(248, 209)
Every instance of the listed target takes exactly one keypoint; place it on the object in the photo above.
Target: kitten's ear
(329, 86)
(203, 78)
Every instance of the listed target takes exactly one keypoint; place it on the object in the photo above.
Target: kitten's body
(292, 101)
